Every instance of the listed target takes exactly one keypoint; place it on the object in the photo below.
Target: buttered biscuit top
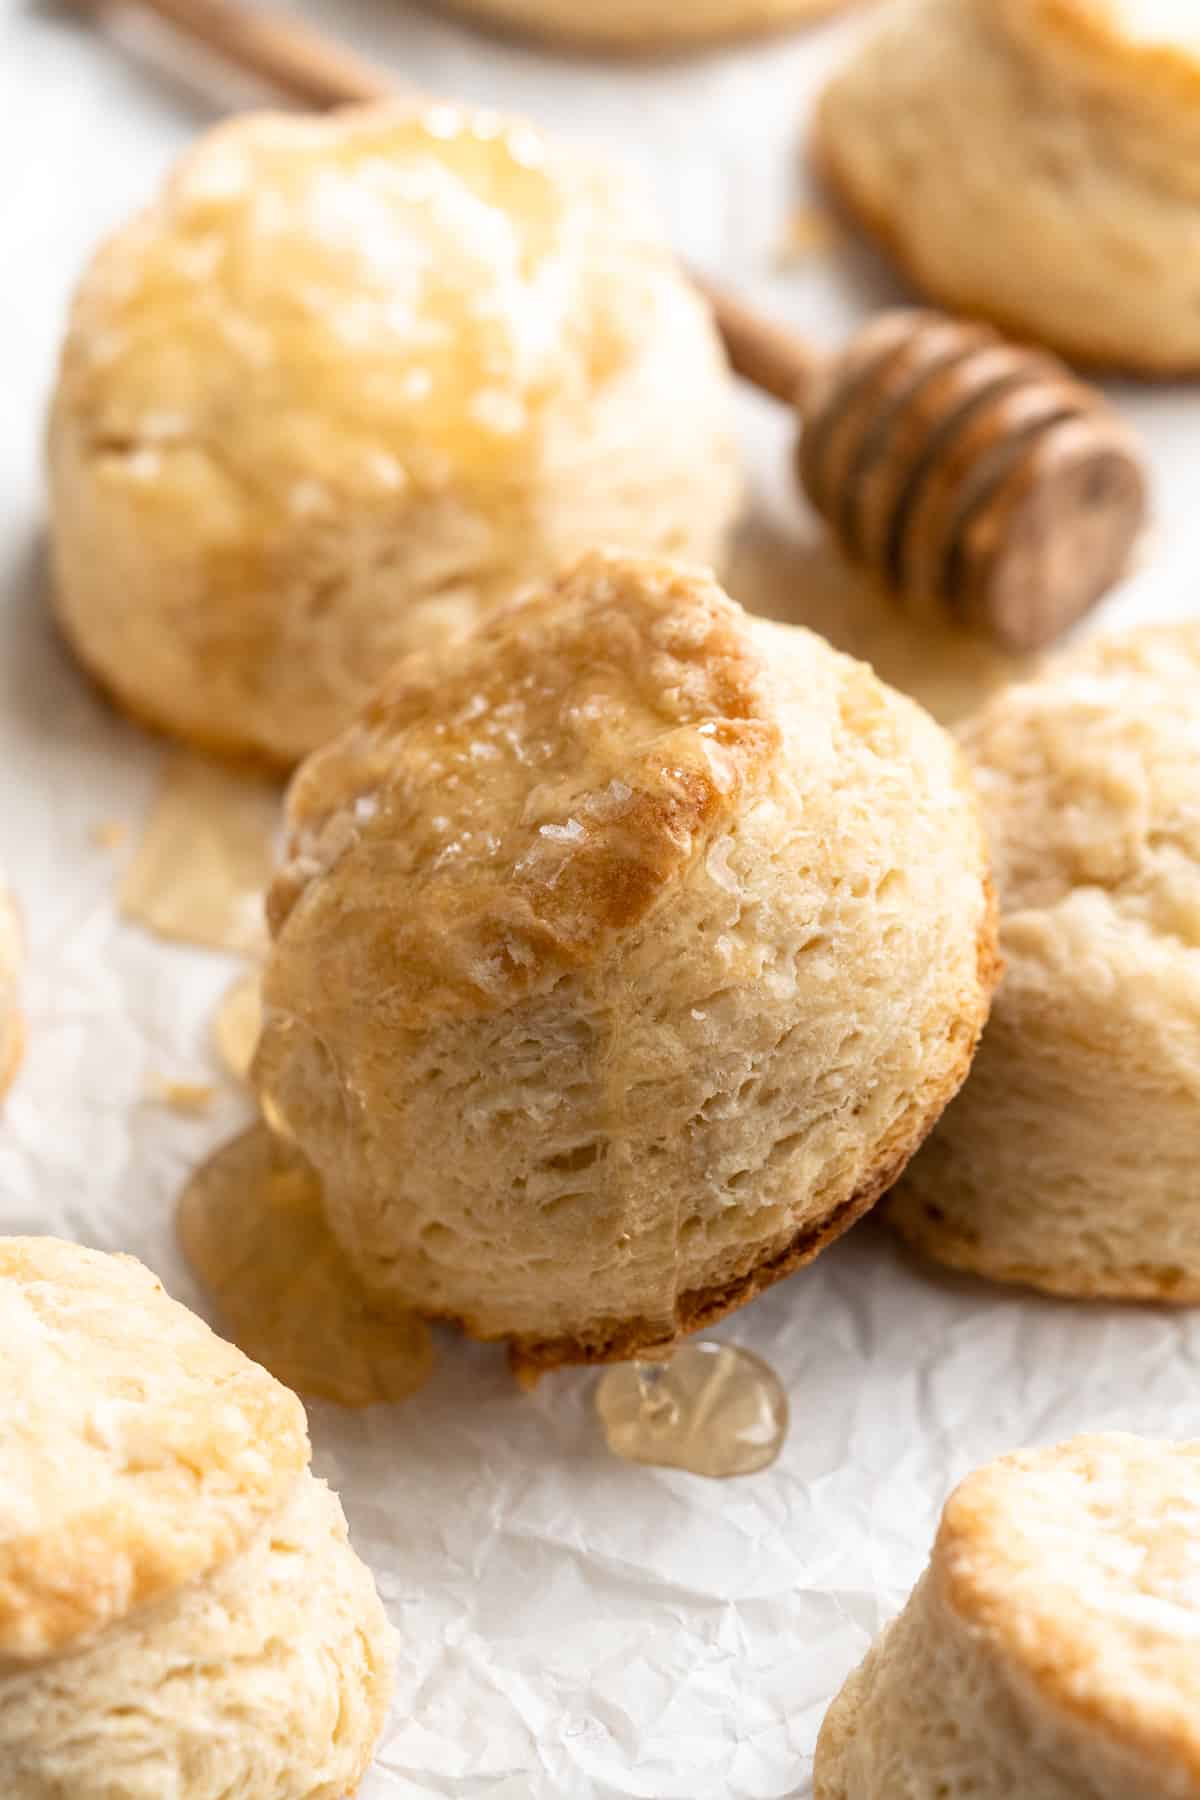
(349, 381)
(623, 953)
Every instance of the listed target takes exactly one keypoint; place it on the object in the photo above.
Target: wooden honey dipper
(967, 473)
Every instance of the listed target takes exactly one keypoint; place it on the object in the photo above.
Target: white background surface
(572, 1629)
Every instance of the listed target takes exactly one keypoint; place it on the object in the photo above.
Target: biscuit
(623, 954)
(350, 381)
(1049, 1649)
(1036, 163)
(640, 27)
(1069, 1160)
(180, 1611)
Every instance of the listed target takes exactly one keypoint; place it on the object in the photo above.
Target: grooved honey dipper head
(972, 474)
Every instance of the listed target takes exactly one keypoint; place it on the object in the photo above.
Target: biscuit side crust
(620, 1340)
(923, 1226)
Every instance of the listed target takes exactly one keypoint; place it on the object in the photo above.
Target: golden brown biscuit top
(507, 804)
(377, 299)
(1169, 29)
(1088, 780)
(1127, 76)
(1146, 51)
(137, 1449)
(1082, 1563)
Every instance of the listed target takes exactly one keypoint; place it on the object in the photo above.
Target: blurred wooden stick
(283, 52)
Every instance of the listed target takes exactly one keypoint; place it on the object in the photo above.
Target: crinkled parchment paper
(571, 1628)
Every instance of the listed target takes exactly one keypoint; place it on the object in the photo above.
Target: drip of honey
(205, 857)
(711, 1409)
(237, 1024)
(252, 1225)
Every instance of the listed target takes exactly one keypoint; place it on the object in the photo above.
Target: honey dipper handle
(763, 353)
(316, 70)
(280, 51)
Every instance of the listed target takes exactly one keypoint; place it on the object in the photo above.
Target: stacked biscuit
(180, 1611)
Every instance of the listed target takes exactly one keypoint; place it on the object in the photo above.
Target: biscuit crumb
(205, 857)
(237, 1024)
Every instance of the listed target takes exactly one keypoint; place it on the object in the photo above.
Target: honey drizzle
(252, 1225)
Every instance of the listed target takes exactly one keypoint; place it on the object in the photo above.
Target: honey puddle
(253, 1228)
(205, 857)
(237, 1024)
(712, 1409)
